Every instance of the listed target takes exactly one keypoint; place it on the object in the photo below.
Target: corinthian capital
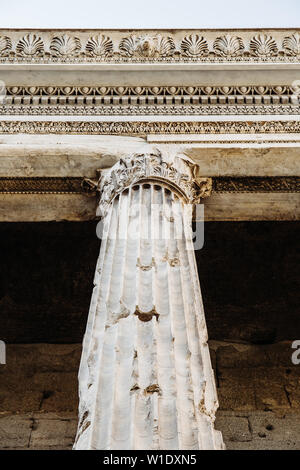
(178, 174)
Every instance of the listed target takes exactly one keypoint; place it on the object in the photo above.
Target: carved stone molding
(148, 110)
(107, 100)
(38, 46)
(142, 128)
(180, 175)
(77, 185)
(256, 184)
(41, 185)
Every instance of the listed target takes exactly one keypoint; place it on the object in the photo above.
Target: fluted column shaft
(146, 380)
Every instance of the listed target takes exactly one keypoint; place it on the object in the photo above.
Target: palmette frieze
(142, 128)
(39, 46)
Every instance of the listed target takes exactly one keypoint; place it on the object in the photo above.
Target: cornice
(146, 46)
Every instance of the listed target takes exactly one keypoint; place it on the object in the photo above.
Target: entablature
(76, 101)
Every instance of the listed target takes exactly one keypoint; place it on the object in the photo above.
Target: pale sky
(128, 14)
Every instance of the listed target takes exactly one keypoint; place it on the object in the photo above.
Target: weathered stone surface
(60, 381)
(27, 400)
(15, 431)
(237, 398)
(252, 206)
(53, 433)
(234, 428)
(47, 207)
(80, 208)
(241, 356)
(47, 373)
(293, 393)
(81, 155)
(262, 444)
(272, 427)
(254, 377)
(264, 430)
(60, 400)
(272, 398)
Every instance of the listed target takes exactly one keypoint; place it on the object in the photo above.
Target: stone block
(60, 401)
(272, 427)
(53, 433)
(234, 377)
(234, 428)
(20, 402)
(271, 398)
(15, 431)
(236, 398)
(55, 381)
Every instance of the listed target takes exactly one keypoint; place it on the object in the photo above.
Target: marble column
(145, 379)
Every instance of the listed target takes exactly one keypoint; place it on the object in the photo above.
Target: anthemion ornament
(5, 45)
(228, 46)
(100, 46)
(263, 45)
(65, 45)
(30, 45)
(194, 46)
(291, 44)
(145, 378)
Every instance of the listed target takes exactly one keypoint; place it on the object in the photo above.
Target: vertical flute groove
(167, 412)
(105, 383)
(146, 370)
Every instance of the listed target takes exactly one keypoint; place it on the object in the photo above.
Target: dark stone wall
(249, 274)
(46, 280)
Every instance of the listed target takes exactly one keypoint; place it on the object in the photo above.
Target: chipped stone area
(258, 390)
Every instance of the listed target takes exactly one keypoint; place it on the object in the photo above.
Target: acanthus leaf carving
(181, 175)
